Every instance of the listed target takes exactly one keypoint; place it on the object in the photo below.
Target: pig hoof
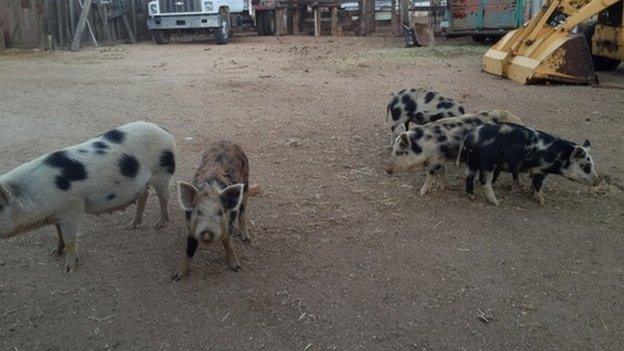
(70, 267)
(178, 276)
(56, 253)
(161, 224)
(235, 266)
(245, 238)
(132, 226)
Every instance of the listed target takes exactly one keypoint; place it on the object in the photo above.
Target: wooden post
(404, 9)
(317, 21)
(393, 21)
(279, 21)
(363, 17)
(370, 16)
(72, 14)
(334, 20)
(82, 22)
(59, 22)
(134, 21)
(296, 18)
(129, 28)
(2, 44)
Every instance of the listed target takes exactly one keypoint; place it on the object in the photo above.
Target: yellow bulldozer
(566, 41)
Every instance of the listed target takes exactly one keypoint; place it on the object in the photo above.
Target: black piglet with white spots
(509, 147)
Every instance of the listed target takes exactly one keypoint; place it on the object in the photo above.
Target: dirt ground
(344, 257)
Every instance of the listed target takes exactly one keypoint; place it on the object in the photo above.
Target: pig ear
(404, 140)
(188, 195)
(232, 196)
(578, 152)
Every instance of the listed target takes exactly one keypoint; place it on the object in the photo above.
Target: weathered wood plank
(82, 23)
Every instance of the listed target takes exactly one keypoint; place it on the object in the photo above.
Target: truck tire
(222, 33)
(161, 37)
(601, 63)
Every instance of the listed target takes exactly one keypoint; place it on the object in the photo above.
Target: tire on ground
(223, 32)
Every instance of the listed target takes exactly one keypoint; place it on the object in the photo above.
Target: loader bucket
(552, 55)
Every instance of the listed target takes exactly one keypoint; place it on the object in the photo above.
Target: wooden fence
(53, 23)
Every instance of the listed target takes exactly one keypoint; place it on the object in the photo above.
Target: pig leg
(138, 215)
(443, 177)
(497, 172)
(515, 183)
(230, 256)
(161, 185)
(489, 192)
(470, 180)
(243, 220)
(428, 180)
(60, 245)
(69, 231)
(191, 248)
(538, 183)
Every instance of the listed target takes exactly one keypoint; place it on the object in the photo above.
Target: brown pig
(217, 197)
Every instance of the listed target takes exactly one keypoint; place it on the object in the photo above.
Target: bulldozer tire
(601, 63)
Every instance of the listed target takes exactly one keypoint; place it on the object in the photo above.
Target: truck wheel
(161, 37)
(601, 63)
(222, 33)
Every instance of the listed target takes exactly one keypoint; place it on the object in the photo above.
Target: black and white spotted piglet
(102, 175)
(420, 106)
(492, 148)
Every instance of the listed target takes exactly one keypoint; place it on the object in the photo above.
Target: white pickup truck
(180, 16)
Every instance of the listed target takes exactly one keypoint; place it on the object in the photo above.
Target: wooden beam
(59, 22)
(296, 18)
(317, 21)
(72, 17)
(129, 28)
(82, 22)
(363, 17)
(334, 21)
(133, 16)
(371, 16)
(279, 21)
(393, 17)
(2, 44)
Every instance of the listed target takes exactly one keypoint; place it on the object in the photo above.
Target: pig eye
(220, 213)
(199, 213)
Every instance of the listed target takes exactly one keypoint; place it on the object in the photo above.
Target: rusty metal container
(487, 17)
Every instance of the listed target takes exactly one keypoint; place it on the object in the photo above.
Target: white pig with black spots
(102, 175)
